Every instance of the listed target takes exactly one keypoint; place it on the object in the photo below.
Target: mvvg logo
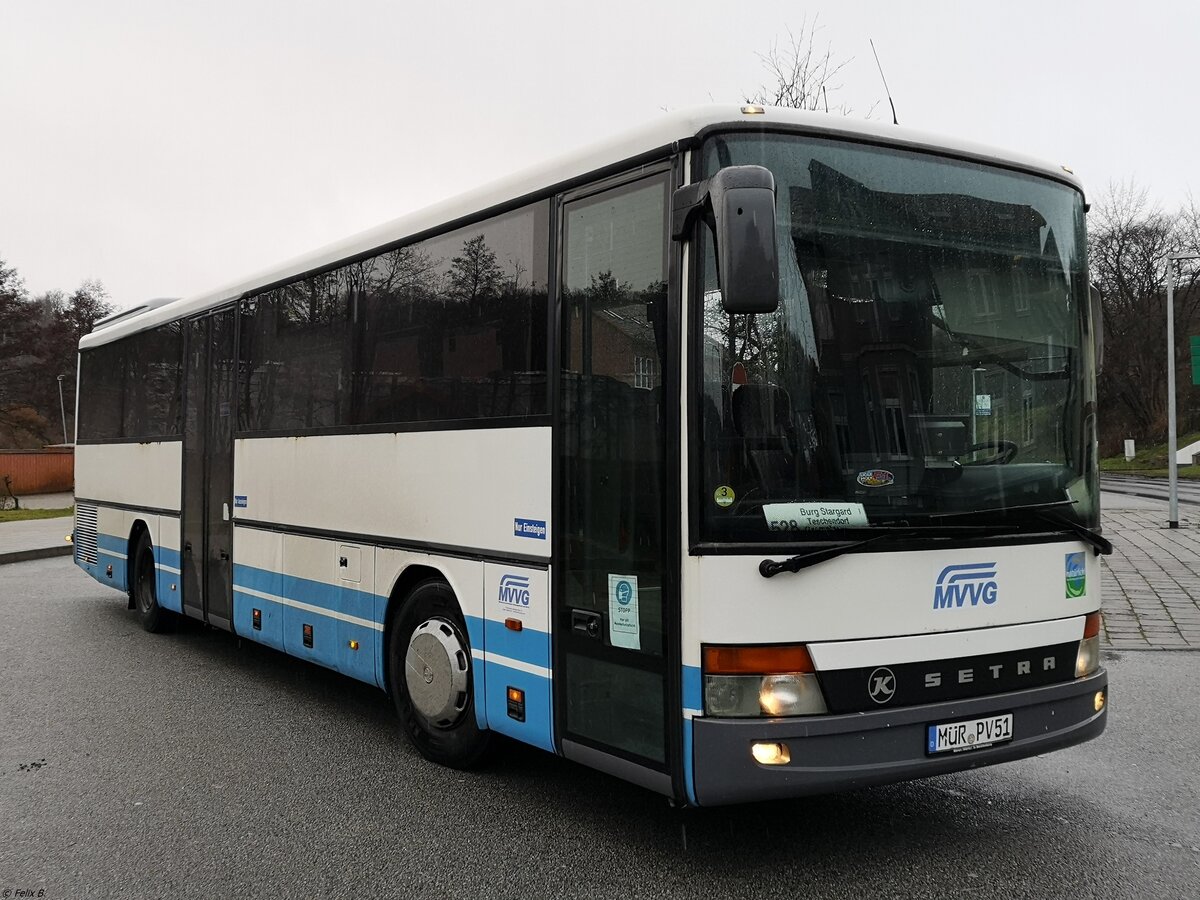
(958, 584)
(514, 590)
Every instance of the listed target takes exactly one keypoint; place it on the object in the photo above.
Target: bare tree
(801, 73)
(1128, 244)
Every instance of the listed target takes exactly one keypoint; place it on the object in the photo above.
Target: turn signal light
(1091, 625)
(757, 660)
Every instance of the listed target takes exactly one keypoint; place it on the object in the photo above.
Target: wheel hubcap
(437, 672)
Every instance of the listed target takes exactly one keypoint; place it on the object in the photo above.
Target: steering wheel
(1005, 452)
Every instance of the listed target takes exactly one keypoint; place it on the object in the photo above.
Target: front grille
(932, 681)
(85, 533)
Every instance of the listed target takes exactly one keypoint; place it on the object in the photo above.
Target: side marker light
(516, 704)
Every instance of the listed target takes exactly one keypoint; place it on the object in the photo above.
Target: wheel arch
(136, 530)
(408, 579)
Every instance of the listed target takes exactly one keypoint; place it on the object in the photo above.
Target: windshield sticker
(805, 516)
(876, 478)
(723, 496)
(624, 624)
(1076, 575)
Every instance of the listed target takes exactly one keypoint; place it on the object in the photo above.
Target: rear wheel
(145, 597)
(430, 676)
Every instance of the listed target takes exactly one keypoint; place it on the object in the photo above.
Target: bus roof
(672, 129)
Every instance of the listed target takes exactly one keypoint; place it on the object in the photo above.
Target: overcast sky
(166, 147)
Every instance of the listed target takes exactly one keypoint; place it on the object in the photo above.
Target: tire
(154, 617)
(430, 673)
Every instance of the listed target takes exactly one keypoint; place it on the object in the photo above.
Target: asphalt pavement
(194, 765)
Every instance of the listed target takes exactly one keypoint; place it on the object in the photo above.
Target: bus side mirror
(738, 203)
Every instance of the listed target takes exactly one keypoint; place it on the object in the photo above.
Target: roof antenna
(895, 121)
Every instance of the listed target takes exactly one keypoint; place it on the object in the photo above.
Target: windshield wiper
(769, 568)
(1044, 512)
(1102, 545)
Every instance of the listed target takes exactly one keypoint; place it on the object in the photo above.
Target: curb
(40, 553)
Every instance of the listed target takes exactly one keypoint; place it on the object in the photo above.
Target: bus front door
(207, 514)
(610, 591)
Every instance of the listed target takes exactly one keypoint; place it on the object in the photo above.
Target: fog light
(1099, 701)
(771, 754)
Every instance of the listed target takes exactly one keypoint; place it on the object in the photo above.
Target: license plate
(956, 737)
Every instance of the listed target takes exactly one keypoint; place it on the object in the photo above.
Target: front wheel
(430, 676)
(154, 617)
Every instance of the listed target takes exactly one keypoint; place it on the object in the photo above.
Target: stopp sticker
(876, 478)
(724, 496)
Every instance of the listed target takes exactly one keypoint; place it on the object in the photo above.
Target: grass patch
(1151, 461)
(25, 515)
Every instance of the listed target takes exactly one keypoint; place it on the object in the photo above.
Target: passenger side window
(450, 328)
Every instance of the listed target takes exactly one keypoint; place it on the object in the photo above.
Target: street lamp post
(1172, 464)
(62, 407)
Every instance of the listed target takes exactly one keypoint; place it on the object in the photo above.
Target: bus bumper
(834, 753)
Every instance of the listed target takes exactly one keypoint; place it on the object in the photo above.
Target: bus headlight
(1087, 660)
(783, 685)
(795, 694)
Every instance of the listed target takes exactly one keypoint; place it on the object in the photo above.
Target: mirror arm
(687, 203)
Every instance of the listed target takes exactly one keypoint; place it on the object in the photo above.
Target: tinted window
(131, 389)
(296, 337)
(453, 327)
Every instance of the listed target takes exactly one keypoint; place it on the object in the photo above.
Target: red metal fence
(38, 471)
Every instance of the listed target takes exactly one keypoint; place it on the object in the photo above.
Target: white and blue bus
(749, 455)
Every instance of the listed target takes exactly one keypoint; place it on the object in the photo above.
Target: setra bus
(749, 455)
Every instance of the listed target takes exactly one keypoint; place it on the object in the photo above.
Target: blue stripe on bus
(282, 629)
(113, 544)
(165, 556)
(537, 729)
(475, 631)
(164, 581)
(110, 551)
(527, 645)
(693, 693)
(693, 698)
(352, 602)
(283, 625)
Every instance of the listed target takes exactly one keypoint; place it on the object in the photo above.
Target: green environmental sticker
(1076, 574)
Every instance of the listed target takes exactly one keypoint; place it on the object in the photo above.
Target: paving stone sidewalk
(1152, 581)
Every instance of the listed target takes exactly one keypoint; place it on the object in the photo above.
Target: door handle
(585, 622)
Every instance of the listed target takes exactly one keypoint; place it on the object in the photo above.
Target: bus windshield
(930, 360)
